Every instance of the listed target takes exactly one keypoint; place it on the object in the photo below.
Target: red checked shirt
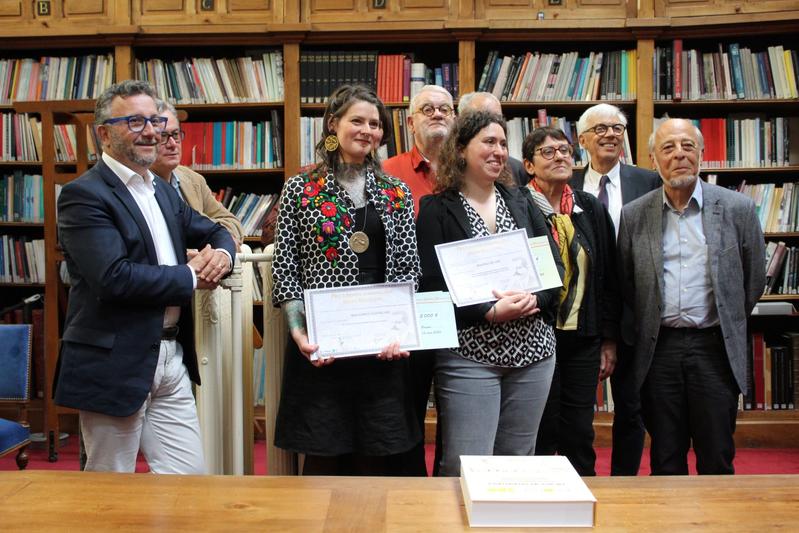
(413, 169)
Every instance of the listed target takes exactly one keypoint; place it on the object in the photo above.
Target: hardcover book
(503, 491)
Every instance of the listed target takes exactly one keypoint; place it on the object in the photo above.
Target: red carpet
(747, 460)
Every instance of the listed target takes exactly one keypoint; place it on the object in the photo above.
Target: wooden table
(73, 501)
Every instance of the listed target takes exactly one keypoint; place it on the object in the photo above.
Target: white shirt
(613, 188)
(142, 188)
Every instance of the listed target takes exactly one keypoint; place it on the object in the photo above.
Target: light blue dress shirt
(687, 289)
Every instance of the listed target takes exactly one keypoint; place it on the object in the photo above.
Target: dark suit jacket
(736, 252)
(635, 181)
(119, 292)
(442, 218)
(520, 176)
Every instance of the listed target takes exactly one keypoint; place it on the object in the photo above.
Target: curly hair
(337, 106)
(123, 89)
(452, 166)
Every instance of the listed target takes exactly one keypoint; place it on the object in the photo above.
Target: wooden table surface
(36, 501)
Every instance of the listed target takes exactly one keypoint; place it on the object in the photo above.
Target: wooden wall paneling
(191, 13)
(123, 62)
(528, 10)
(360, 11)
(703, 8)
(466, 66)
(66, 17)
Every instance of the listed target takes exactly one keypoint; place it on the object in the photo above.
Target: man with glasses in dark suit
(601, 133)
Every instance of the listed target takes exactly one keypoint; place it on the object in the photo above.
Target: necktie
(603, 191)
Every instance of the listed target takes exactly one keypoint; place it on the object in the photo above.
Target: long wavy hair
(452, 165)
(337, 105)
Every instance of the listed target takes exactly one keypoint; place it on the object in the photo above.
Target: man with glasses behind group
(601, 132)
(190, 185)
(127, 352)
(431, 116)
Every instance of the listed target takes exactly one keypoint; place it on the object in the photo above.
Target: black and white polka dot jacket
(314, 224)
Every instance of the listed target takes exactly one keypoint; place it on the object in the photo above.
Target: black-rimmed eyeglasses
(548, 152)
(137, 123)
(177, 136)
(429, 110)
(602, 129)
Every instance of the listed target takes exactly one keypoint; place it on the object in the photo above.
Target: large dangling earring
(331, 143)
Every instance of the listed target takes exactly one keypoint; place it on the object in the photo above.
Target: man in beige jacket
(190, 185)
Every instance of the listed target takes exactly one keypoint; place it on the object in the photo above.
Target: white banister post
(234, 283)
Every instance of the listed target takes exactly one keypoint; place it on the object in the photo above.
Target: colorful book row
(55, 78)
(728, 73)
(538, 76)
(782, 268)
(251, 209)
(777, 207)
(772, 377)
(21, 259)
(202, 80)
(748, 141)
(21, 198)
(20, 137)
(233, 145)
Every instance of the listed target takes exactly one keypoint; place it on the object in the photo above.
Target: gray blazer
(737, 269)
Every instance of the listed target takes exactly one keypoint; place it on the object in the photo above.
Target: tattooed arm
(294, 313)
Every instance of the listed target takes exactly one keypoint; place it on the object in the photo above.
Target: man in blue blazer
(601, 132)
(127, 352)
(693, 257)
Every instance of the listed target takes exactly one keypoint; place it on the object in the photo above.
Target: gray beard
(352, 179)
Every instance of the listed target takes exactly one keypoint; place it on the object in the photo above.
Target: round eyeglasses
(602, 129)
(137, 123)
(548, 152)
(429, 110)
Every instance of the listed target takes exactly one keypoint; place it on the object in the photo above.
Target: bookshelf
(434, 31)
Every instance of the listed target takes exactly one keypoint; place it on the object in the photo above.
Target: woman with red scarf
(587, 322)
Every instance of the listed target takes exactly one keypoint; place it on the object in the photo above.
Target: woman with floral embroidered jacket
(344, 223)
(589, 304)
(491, 390)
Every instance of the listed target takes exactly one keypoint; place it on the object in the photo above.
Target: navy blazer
(635, 181)
(119, 293)
(442, 218)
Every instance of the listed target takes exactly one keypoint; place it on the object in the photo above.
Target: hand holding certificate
(474, 268)
(362, 319)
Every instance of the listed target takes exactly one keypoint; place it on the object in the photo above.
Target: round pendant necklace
(359, 240)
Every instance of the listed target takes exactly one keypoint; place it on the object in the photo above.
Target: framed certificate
(362, 319)
(472, 268)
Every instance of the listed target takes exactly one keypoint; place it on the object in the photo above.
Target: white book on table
(545, 491)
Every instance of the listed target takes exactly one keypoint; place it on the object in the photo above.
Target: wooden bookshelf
(461, 31)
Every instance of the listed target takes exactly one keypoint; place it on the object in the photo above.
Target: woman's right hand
(511, 305)
(301, 338)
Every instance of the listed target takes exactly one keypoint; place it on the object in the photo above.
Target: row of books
(777, 206)
(55, 78)
(203, 80)
(520, 127)
(250, 208)
(395, 77)
(399, 78)
(772, 377)
(537, 76)
(21, 198)
(233, 144)
(20, 137)
(782, 268)
(21, 259)
(731, 72)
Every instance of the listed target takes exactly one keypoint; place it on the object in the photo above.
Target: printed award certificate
(436, 320)
(472, 268)
(362, 319)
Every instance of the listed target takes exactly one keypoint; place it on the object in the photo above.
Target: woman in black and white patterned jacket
(344, 223)
(491, 390)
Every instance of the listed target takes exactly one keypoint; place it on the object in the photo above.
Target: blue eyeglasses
(137, 123)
